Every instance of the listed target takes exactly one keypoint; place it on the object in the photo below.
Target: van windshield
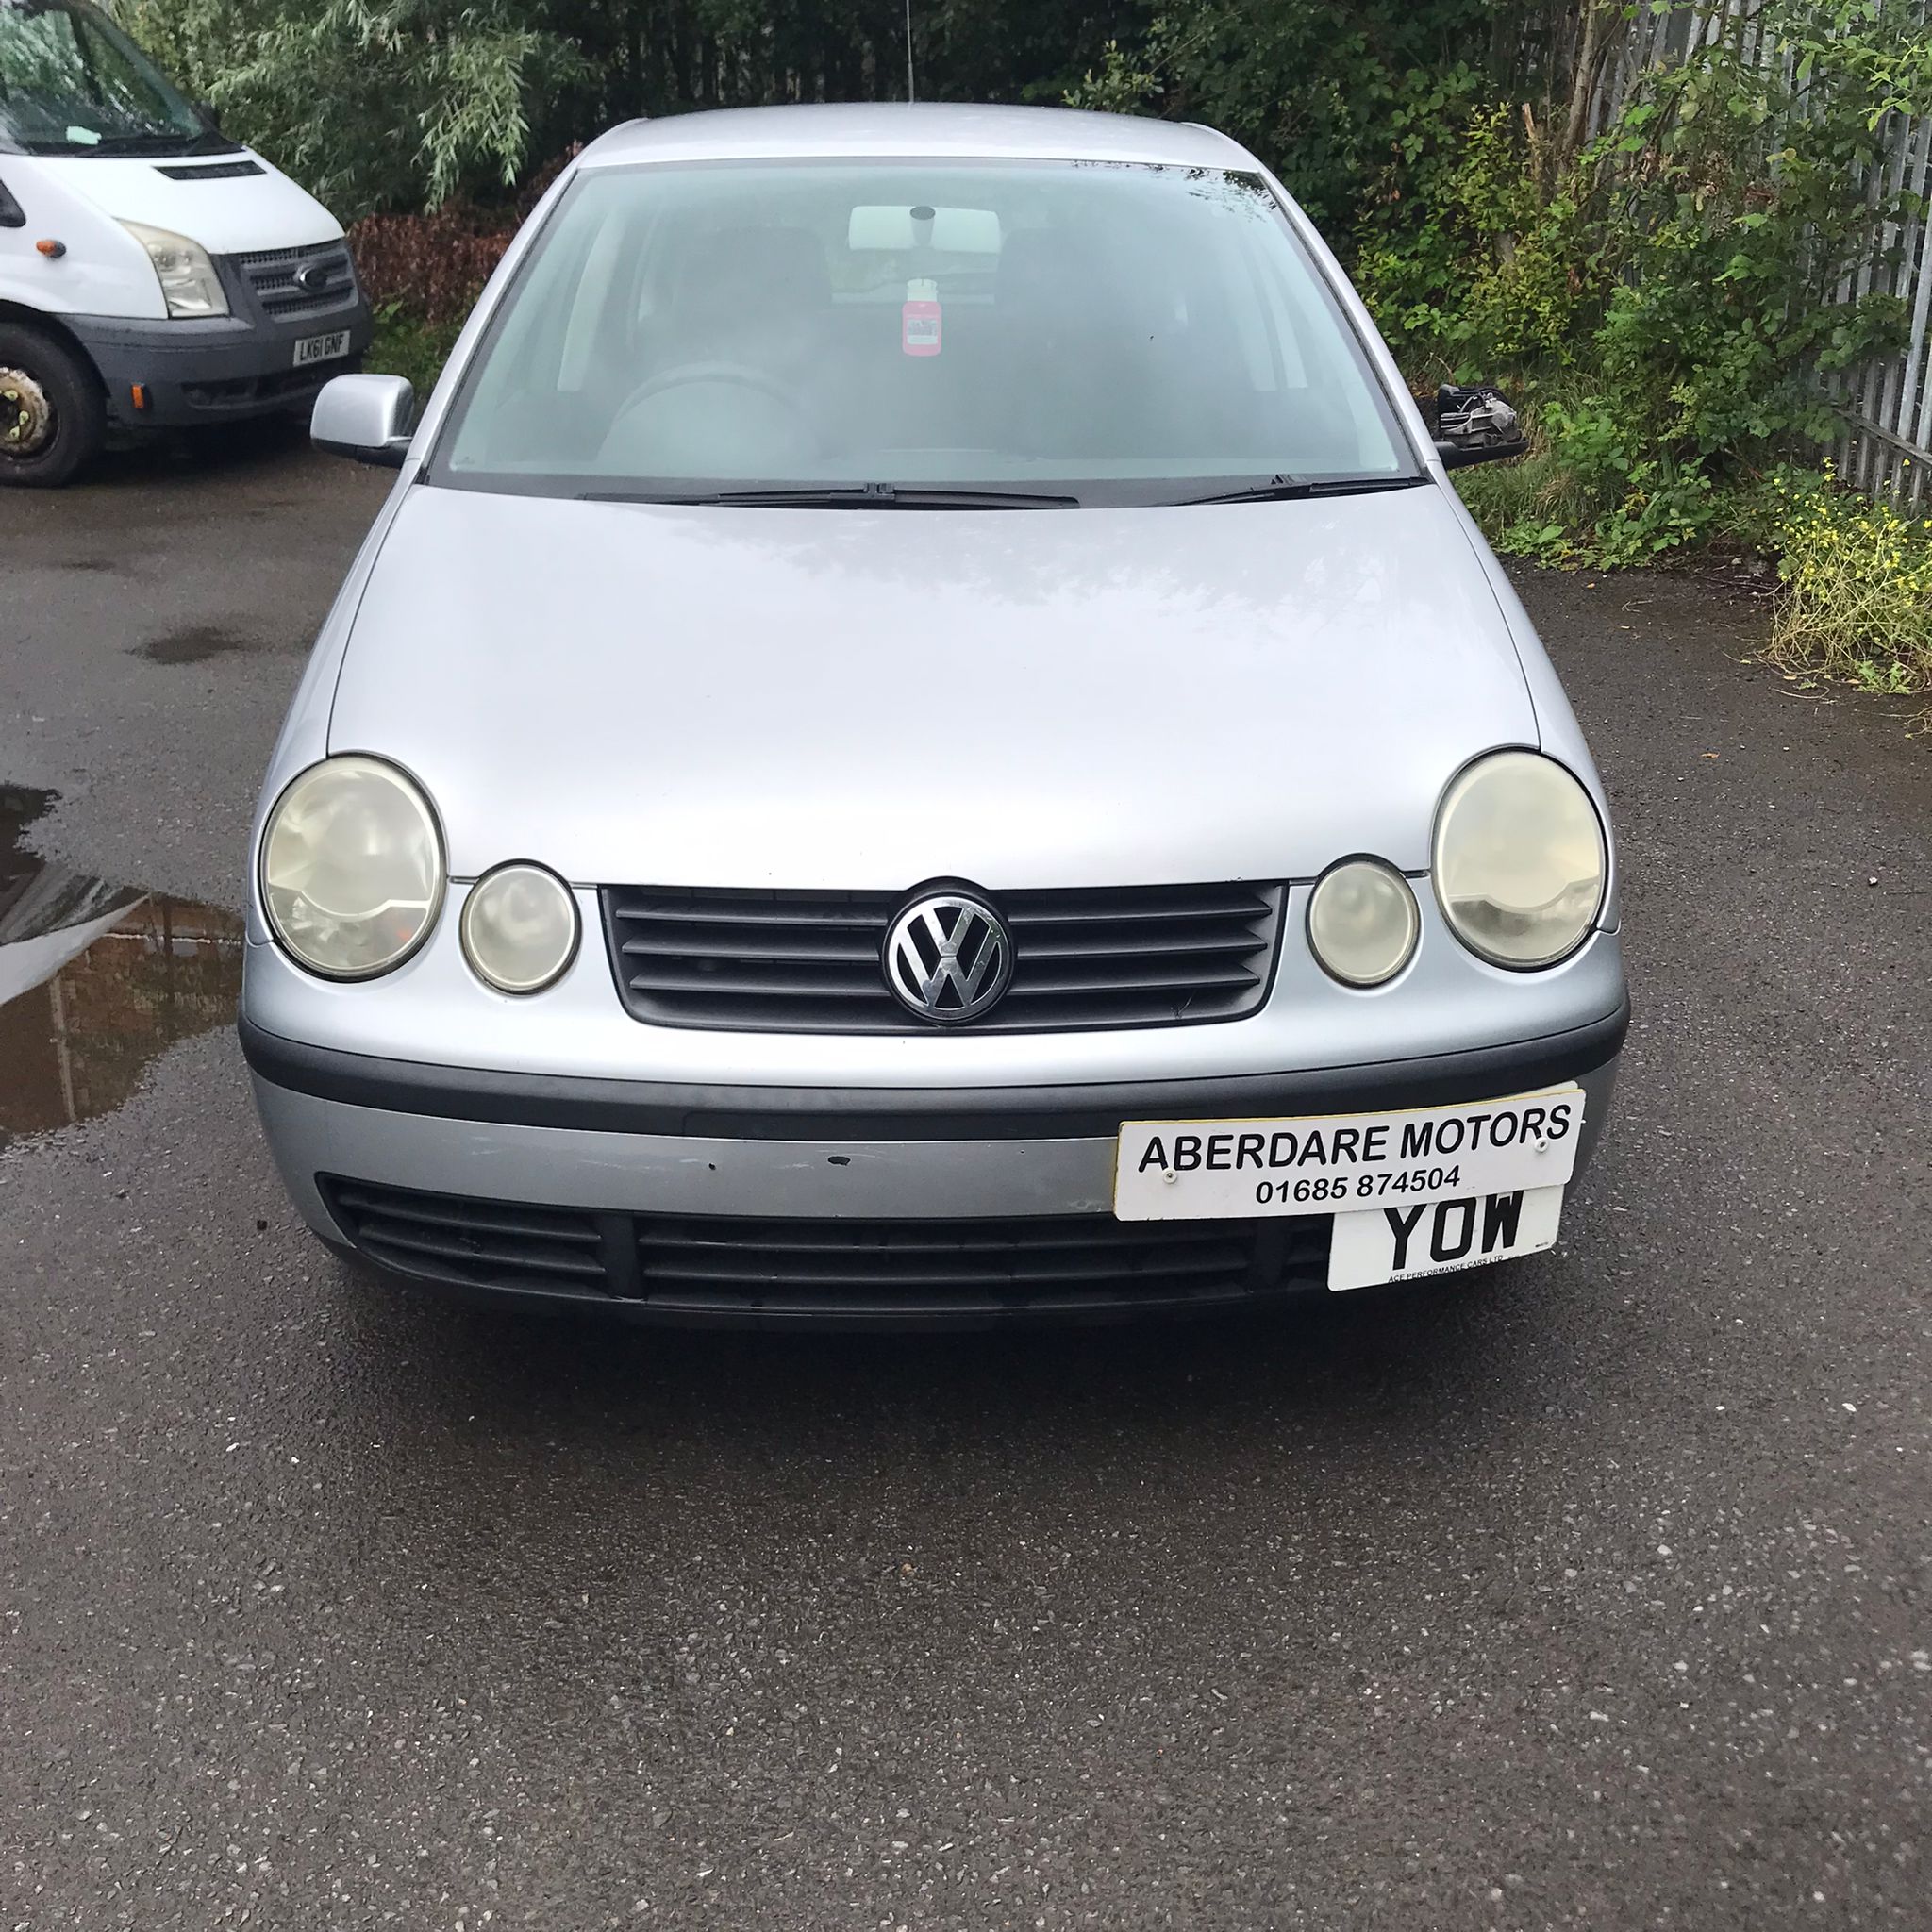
(1081, 332)
(71, 82)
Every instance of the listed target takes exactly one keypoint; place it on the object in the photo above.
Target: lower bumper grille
(470, 1244)
(732, 1269)
(256, 391)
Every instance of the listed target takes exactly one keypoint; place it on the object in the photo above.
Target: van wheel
(53, 417)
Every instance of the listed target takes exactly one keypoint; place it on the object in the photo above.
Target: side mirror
(210, 114)
(367, 417)
(1473, 424)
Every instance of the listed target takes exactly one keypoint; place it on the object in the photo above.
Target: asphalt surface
(1591, 1593)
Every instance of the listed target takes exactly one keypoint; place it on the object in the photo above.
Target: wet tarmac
(96, 980)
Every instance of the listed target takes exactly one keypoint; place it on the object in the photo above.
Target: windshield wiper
(1292, 489)
(847, 496)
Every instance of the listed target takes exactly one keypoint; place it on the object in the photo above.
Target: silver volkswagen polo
(924, 737)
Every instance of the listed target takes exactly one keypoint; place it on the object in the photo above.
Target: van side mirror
(210, 114)
(367, 417)
(1473, 424)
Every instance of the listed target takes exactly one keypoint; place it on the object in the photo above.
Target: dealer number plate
(1344, 1162)
(1421, 1190)
(322, 348)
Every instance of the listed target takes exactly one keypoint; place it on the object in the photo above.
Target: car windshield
(1072, 331)
(71, 82)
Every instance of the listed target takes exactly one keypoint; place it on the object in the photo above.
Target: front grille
(271, 276)
(715, 1267)
(473, 1243)
(808, 962)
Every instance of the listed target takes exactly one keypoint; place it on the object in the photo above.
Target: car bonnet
(869, 699)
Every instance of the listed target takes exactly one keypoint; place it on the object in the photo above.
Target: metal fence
(1886, 407)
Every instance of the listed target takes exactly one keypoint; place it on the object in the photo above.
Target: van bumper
(223, 369)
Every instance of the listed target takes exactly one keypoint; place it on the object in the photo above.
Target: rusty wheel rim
(27, 415)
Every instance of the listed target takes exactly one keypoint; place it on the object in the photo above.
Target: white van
(154, 275)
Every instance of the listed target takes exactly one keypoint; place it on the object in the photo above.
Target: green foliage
(1590, 493)
(1335, 95)
(399, 105)
(1473, 271)
(1672, 290)
(1854, 584)
(406, 345)
(1744, 214)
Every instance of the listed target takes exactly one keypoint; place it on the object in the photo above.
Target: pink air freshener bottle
(919, 326)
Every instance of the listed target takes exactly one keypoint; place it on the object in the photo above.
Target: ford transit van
(154, 275)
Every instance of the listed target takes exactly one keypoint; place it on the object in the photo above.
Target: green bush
(1667, 299)
(405, 345)
(1854, 584)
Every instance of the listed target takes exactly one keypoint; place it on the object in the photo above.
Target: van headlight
(1519, 860)
(189, 282)
(519, 928)
(351, 868)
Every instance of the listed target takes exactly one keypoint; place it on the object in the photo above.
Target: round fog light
(520, 928)
(1362, 921)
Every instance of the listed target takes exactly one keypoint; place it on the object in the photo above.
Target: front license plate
(1400, 1243)
(322, 348)
(1347, 1162)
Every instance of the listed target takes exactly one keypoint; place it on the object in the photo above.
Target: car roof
(914, 129)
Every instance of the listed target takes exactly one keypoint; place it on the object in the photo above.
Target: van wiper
(847, 496)
(1292, 489)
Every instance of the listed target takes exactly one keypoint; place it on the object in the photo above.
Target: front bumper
(810, 1205)
(221, 369)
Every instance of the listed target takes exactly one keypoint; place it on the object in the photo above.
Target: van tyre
(53, 416)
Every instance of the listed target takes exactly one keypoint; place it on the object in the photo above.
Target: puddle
(193, 644)
(95, 981)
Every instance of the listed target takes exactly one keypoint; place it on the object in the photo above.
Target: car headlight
(1519, 860)
(351, 868)
(1362, 921)
(520, 928)
(189, 282)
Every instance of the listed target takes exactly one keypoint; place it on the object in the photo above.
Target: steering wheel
(685, 374)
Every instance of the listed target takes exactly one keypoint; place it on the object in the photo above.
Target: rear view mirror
(367, 417)
(1473, 424)
(897, 230)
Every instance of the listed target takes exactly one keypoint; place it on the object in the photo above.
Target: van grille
(809, 962)
(271, 278)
